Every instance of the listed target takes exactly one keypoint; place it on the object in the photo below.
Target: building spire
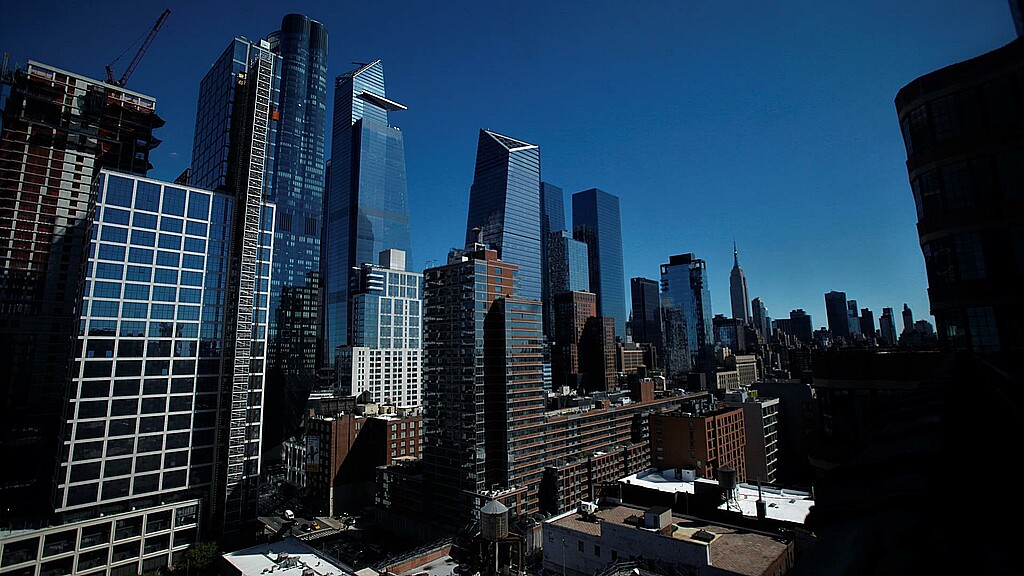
(735, 255)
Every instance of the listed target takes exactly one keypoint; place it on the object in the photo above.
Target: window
(597, 550)
(579, 544)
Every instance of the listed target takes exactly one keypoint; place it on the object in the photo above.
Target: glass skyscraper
(367, 206)
(504, 203)
(294, 180)
(646, 323)
(687, 300)
(596, 221)
(552, 220)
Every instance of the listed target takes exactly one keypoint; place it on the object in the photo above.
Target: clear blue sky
(771, 123)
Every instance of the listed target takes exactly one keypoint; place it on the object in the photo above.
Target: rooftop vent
(703, 536)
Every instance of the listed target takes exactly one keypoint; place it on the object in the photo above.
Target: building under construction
(58, 130)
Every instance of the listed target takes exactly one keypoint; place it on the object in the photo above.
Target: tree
(199, 560)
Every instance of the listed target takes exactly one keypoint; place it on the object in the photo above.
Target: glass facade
(835, 313)
(684, 289)
(367, 207)
(504, 202)
(596, 221)
(50, 157)
(552, 220)
(567, 270)
(646, 322)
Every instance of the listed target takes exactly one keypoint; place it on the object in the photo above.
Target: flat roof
(289, 556)
(735, 549)
(785, 504)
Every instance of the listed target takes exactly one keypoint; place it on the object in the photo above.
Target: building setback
(740, 298)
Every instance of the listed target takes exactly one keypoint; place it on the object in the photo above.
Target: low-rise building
(585, 541)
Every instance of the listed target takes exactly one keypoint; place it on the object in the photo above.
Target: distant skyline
(773, 125)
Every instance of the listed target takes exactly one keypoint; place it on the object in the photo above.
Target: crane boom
(138, 55)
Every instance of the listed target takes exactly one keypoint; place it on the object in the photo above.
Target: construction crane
(138, 55)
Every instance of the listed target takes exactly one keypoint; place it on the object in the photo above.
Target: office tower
(801, 326)
(761, 321)
(836, 312)
(552, 221)
(383, 361)
(887, 327)
(50, 156)
(908, 318)
(964, 140)
(867, 323)
(729, 332)
(572, 309)
(567, 271)
(646, 323)
(293, 179)
(738, 289)
(504, 203)
(596, 221)
(478, 393)
(366, 206)
(684, 289)
(852, 319)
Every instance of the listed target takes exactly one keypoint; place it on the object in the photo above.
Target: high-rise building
(852, 318)
(867, 323)
(552, 221)
(729, 332)
(646, 322)
(801, 326)
(684, 288)
(887, 327)
(1017, 12)
(572, 309)
(366, 207)
(597, 355)
(738, 289)
(567, 271)
(965, 161)
(908, 318)
(383, 360)
(836, 312)
(704, 442)
(478, 394)
(294, 181)
(50, 156)
(505, 204)
(596, 221)
(761, 428)
(761, 321)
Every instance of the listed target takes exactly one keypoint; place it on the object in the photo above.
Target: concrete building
(586, 541)
(761, 427)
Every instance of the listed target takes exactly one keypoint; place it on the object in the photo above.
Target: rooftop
(288, 557)
(734, 549)
(784, 504)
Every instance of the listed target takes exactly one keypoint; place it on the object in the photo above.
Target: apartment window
(580, 545)
(597, 550)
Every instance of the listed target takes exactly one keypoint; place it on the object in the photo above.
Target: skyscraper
(852, 318)
(801, 326)
(836, 312)
(505, 204)
(867, 323)
(567, 271)
(294, 180)
(572, 310)
(383, 361)
(51, 154)
(596, 221)
(552, 220)
(887, 327)
(908, 318)
(761, 321)
(738, 289)
(684, 290)
(366, 207)
(646, 324)
(478, 393)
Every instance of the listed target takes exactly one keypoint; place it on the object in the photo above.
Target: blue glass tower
(293, 179)
(596, 221)
(504, 203)
(686, 300)
(367, 206)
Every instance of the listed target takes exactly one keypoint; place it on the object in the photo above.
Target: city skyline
(723, 157)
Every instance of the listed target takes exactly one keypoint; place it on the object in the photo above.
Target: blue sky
(770, 123)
